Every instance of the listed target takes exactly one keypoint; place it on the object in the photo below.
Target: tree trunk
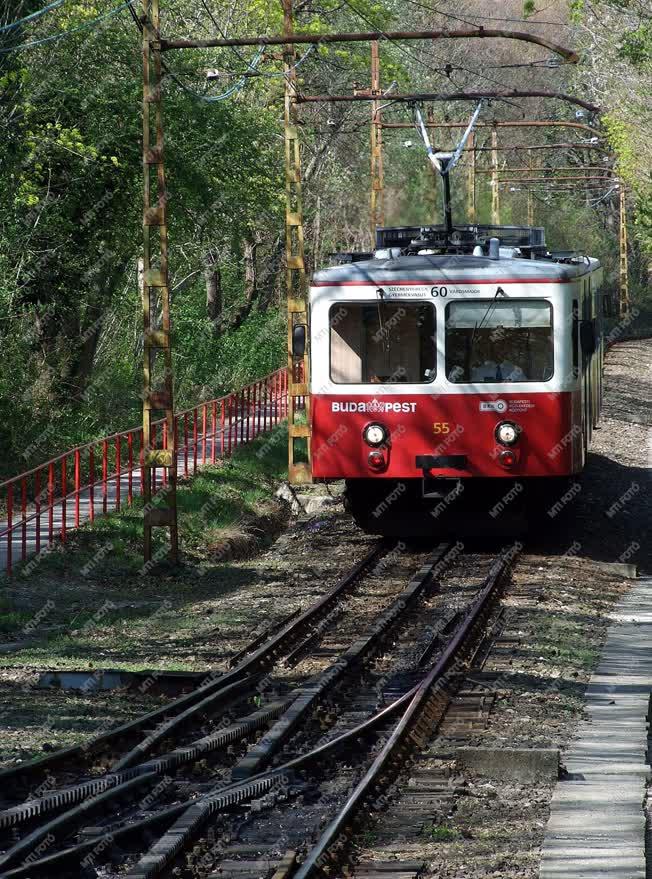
(213, 280)
(251, 281)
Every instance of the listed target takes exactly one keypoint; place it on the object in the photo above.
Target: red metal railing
(42, 504)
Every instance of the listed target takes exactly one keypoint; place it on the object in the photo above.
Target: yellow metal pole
(624, 263)
(377, 176)
(470, 145)
(299, 472)
(530, 196)
(495, 202)
(158, 451)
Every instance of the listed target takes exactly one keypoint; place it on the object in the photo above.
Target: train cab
(451, 378)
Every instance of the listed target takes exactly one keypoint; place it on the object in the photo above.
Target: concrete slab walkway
(597, 823)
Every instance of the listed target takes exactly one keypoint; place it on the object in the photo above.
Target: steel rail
(102, 791)
(315, 689)
(423, 714)
(55, 827)
(231, 795)
(187, 825)
(262, 657)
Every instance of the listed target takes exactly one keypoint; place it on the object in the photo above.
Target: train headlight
(507, 433)
(375, 434)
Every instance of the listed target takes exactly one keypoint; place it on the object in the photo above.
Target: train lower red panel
(444, 425)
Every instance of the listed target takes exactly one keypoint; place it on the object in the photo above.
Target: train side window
(382, 342)
(575, 338)
(499, 341)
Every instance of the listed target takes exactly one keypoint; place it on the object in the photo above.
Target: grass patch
(94, 604)
(562, 643)
(441, 833)
(215, 501)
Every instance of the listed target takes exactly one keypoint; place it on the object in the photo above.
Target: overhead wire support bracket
(422, 97)
(569, 55)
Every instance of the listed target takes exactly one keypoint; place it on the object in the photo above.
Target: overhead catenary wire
(448, 14)
(58, 36)
(33, 16)
(236, 87)
(445, 70)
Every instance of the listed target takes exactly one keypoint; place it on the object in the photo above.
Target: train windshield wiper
(380, 301)
(490, 308)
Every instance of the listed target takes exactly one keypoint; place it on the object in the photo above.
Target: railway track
(60, 800)
(405, 651)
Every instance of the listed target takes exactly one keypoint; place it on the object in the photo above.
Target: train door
(587, 365)
(578, 393)
(599, 306)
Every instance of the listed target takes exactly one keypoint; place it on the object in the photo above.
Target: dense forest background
(71, 178)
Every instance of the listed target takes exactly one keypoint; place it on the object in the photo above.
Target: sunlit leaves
(636, 46)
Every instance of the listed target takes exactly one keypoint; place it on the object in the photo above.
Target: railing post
(37, 507)
(228, 424)
(51, 504)
(176, 435)
(77, 463)
(214, 430)
(203, 431)
(10, 533)
(23, 511)
(247, 392)
(256, 423)
(64, 503)
(185, 444)
(105, 473)
(130, 465)
(141, 461)
(194, 440)
(164, 475)
(91, 483)
(118, 472)
(222, 427)
(152, 467)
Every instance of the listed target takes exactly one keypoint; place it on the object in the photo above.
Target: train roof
(455, 268)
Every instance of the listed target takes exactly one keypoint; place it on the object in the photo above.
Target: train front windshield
(499, 341)
(382, 342)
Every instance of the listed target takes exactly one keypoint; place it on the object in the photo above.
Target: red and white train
(449, 373)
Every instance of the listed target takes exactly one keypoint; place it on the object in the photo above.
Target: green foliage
(636, 46)
(622, 133)
(441, 833)
(71, 170)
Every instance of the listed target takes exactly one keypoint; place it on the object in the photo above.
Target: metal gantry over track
(160, 446)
